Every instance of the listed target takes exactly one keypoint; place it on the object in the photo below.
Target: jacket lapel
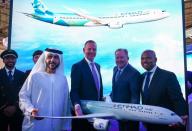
(5, 77)
(154, 81)
(88, 72)
(114, 74)
(123, 73)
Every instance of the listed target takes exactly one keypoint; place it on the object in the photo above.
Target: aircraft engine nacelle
(115, 25)
(100, 124)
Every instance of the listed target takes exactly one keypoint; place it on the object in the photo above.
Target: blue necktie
(146, 86)
(117, 75)
(10, 76)
(95, 77)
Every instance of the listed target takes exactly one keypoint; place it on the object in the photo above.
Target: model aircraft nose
(175, 118)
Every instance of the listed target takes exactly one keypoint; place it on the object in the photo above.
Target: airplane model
(121, 111)
(77, 18)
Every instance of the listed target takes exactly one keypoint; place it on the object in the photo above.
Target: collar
(88, 61)
(154, 69)
(7, 70)
(122, 68)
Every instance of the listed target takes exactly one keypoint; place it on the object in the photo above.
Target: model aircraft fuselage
(98, 113)
(77, 18)
(136, 112)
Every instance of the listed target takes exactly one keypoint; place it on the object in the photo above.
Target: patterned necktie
(146, 86)
(117, 75)
(95, 77)
(10, 76)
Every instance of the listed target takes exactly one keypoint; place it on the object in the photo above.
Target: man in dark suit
(36, 55)
(161, 88)
(86, 84)
(11, 80)
(125, 86)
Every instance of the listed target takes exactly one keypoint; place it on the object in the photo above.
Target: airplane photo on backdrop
(77, 18)
(164, 36)
(96, 110)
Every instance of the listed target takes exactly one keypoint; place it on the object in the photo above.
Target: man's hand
(185, 119)
(9, 111)
(107, 99)
(34, 114)
(189, 85)
(78, 111)
(184, 122)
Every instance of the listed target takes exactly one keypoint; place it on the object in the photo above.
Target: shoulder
(79, 63)
(130, 68)
(165, 72)
(27, 71)
(1, 70)
(114, 68)
(19, 72)
(38, 74)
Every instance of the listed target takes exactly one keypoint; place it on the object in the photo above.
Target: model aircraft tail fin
(40, 8)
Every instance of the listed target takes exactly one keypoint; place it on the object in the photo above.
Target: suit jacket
(27, 72)
(189, 79)
(82, 83)
(9, 90)
(126, 88)
(165, 91)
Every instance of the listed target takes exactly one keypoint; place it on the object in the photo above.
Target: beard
(52, 66)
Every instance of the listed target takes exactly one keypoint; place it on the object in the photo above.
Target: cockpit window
(172, 114)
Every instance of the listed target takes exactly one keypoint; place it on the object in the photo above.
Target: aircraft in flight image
(98, 113)
(78, 18)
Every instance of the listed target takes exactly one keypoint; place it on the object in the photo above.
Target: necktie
(146, 86)
(10, 75)
(117, 75)
(95, 77)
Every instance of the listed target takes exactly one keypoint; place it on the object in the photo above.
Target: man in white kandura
(46, 93)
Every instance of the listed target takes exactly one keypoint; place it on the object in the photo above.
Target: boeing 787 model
(98, 112)
(77, 18)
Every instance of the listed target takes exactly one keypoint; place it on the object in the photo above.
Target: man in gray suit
(125, 86)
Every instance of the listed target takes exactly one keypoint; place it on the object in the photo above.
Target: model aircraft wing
(92, 18)
(94, 115)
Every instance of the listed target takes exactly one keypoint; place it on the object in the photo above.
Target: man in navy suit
(125, 86)
(161, 88)
(86, 84)
(11, 81)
